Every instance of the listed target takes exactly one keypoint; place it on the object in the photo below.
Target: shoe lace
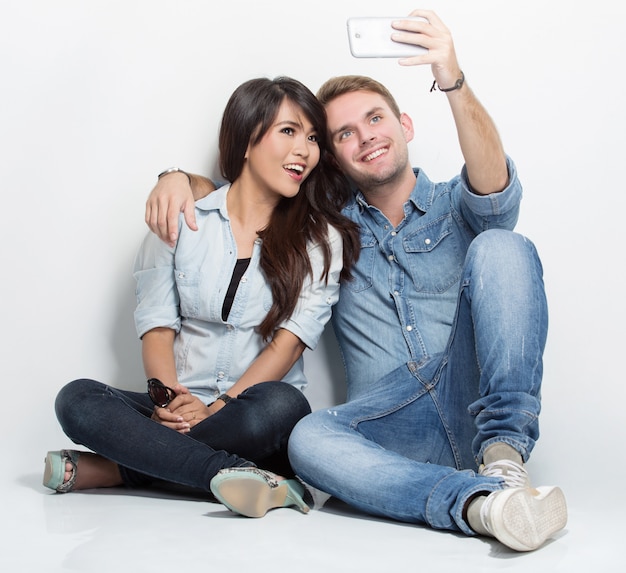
(513, 474)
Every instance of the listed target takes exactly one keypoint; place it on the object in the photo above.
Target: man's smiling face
(369, 141)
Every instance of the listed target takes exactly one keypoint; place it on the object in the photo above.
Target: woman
(225, 315)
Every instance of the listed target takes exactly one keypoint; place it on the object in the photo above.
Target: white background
(97, 97)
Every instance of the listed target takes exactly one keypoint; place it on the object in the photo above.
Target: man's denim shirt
(402, 301)
(183, 288)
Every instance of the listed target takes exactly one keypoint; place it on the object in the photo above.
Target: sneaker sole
(523, 519)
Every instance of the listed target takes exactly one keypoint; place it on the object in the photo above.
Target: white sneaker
(524, 518)
(513, 474)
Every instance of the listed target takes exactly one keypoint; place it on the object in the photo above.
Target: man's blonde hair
(340, 85)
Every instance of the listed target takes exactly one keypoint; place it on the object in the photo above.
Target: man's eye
(345, 135)
(376, 119)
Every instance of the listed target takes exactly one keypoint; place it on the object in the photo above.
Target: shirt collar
(422, 195)
(215, 201)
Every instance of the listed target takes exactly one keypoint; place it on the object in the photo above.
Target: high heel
(54, 472)
(253, 492)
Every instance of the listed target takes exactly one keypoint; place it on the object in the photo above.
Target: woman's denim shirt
(402, 301)
(183, 288)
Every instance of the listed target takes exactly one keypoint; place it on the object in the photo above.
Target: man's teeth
(295, 167)
(375, 154)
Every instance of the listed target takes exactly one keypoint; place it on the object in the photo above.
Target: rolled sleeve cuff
(495, 203)
(146, 320)
(306, 328)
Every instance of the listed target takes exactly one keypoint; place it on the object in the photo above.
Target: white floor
(113, 531)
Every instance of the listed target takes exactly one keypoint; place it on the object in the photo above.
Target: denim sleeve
(318, 296)
(157, 296)
(497, 210)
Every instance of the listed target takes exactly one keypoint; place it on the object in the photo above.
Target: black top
(240, 267)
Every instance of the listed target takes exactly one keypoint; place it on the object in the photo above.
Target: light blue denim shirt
(402, 301)
(183, 288)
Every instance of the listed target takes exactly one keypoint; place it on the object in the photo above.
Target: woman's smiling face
(285, 155)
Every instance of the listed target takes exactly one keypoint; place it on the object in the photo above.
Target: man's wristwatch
(173, 170)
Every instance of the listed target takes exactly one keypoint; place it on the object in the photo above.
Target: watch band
(225, 398)
(173, 170)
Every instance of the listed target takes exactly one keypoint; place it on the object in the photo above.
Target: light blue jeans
(409, 449)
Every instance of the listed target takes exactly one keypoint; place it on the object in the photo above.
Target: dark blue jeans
(116, 424)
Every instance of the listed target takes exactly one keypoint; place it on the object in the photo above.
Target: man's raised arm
(175, 192)
(479, 140)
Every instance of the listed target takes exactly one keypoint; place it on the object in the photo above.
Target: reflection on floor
(114, 530)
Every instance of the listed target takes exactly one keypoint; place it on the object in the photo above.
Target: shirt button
(393, 233)
(395, 293)
(329, 300)
(229, 327)
(390, 257)
(244, 279)
(220, 375)
(181, 275)
(427, 241)
(409, 328)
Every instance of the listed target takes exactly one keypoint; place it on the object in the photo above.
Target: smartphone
(370, 37)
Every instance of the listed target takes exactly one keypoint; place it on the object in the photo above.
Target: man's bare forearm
(200, 186)
(480, 143)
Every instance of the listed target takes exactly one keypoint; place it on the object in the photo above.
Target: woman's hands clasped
(184, 411)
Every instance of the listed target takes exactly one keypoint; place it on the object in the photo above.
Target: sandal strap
(70, 456)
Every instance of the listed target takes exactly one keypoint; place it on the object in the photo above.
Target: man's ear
(407, 126)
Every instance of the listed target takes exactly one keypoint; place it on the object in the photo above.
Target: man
(442, 329)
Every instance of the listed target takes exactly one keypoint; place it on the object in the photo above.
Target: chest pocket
(188, 285)
(434, 254)
(364, 269)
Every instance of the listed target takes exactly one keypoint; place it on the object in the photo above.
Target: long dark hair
(297, 221)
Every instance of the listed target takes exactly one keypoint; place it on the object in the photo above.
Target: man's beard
(370, 181)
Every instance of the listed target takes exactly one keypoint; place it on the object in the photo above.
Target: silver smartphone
(370, 37)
